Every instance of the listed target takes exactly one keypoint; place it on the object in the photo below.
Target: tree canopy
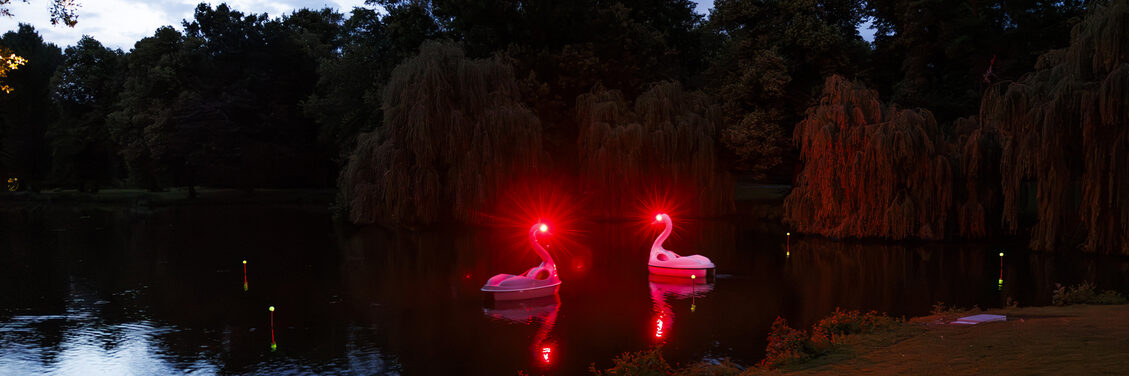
(955, 120)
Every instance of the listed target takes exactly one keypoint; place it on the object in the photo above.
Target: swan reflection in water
(530, 311)
(674, 289)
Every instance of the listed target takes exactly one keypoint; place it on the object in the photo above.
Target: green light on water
(1001, 254)
(273, 346)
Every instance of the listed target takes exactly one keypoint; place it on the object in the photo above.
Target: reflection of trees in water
(420, 291)
(388, 299)
(896, 278)
(163, 287)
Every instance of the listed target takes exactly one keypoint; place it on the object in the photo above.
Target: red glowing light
(659, 328)
(545, 352)
(544, 227)
(659, 217)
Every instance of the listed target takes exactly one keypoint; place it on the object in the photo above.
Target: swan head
(660, 218)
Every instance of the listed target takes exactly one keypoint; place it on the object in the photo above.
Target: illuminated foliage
(8, 62)
(664, 143)
(869, 170)
(1064, 132)
(455, 133)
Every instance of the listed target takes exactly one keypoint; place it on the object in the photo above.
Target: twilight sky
(121, 23)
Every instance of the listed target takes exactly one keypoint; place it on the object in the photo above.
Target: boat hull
(681, 272)
(497, 294)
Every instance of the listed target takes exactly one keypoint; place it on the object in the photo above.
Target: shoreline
(172, 197)
(1071, 339)
(1087, 339)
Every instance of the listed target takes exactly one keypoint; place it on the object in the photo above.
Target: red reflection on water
(664, 315)
(546, 353)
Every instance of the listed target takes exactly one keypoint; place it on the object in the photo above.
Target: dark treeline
(613, 96)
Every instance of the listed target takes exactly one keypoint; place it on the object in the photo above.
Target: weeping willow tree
(1065, 133)
(455, 133)
(978, 149)
(869, 170)
(662, 148)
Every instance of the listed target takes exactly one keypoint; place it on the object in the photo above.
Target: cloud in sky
(121, 23)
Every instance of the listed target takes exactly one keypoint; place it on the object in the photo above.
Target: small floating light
(1000, 285)
(273, 345)
(659, 217)
(544, 227)
(244, 275)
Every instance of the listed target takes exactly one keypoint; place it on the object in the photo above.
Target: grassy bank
(1077, 339)
(1070, 339)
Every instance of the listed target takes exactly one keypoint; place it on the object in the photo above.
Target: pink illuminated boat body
(667, 263)
(678, 287)
(537, 282)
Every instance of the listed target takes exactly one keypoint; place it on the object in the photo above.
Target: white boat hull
(500, 294)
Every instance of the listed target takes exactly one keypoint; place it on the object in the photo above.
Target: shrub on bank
(1085, 294)
(641, 363)
(787, 345)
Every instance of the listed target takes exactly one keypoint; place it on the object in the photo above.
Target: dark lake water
(160, 291)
